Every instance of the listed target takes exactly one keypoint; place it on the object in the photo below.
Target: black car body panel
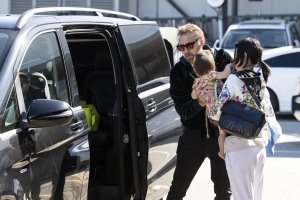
(53, 67)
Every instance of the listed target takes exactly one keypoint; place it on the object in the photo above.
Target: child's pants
(245, 170)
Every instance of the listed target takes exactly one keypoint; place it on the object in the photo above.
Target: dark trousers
(191, 152)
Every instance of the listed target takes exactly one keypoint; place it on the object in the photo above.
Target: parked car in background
(285, 74)
(170, 35)
(296, 101)
(54, 62)
(271, 33)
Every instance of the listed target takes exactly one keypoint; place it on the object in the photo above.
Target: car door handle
(22, 166)
(78, 124)
(151, 105)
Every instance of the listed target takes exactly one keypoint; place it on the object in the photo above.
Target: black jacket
(191, 113)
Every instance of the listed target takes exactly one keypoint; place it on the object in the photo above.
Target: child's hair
(204, 62)
(252, 49)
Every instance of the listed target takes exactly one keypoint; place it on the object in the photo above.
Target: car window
(148, 54)
(42, 73)
(294, 33)
(3, 42)
(6, 38)
(10, 117)
(269, 38)
(288, 60)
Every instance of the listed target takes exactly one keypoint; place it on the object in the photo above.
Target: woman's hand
(221, 131)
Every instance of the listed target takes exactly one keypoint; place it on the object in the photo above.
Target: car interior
(97, 84)
(39, 69)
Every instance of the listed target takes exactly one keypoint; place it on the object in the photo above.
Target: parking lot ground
(282, 176)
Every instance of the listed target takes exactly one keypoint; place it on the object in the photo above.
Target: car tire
(274, 100)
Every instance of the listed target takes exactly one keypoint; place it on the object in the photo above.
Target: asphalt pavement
(282, 175)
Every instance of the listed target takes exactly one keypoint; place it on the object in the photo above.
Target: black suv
(53, 62)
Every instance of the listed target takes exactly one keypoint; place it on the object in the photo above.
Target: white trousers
(246, 172)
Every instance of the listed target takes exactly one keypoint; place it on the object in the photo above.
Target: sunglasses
(189, 46)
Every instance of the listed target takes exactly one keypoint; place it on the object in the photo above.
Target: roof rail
(24, 18)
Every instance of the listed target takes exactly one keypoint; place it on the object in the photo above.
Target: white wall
(123, 5)
(162, 8)
(197, 8)
(132, 7)
(286, 6)
(5, 7)
(268, 7)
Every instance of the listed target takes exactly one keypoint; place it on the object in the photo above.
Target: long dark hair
(252, 49)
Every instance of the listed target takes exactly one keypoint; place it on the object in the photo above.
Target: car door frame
(77, 135)
(137, 121)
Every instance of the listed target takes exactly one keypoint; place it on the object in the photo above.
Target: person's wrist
(200, 103)
(194, 97)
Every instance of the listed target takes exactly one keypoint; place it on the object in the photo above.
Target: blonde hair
(204, 62)
(192, 28)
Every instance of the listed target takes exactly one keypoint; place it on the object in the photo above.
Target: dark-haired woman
(245, 158)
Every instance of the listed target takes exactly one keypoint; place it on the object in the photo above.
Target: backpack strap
(252, 94)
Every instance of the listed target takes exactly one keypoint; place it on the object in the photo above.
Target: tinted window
(269, 38)
(147, 52)
(10, 117)
(42, 72)
(288, 60)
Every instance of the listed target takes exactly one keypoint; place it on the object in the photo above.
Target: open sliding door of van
(136, 114)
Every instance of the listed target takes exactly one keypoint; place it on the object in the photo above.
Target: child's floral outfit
(201, 82)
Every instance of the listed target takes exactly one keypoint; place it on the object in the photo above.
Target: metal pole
(220, 22)
(33, 3)
(116, 5)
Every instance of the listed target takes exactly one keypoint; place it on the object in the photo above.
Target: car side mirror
(47, 113)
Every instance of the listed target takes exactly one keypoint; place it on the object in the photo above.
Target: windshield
(6, 38)
(269, 38)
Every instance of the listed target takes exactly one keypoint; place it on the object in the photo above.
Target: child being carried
(204, 67)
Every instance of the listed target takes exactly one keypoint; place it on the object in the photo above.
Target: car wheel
(274, 100)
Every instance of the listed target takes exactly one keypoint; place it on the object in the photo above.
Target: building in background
(19, 6)
(163, 8)
(197, 8)
(175, 12)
